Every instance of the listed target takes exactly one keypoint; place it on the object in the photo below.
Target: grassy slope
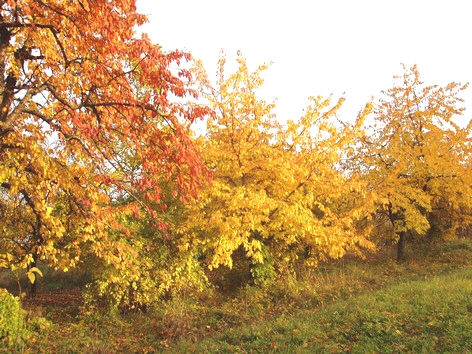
(424, 305)
(427, 315)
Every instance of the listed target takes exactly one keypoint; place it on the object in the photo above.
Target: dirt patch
(57, 305)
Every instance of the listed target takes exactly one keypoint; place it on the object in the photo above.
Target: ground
(424, 304)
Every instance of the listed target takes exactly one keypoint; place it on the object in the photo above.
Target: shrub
(12, 322)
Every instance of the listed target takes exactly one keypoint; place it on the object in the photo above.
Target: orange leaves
(89, 118)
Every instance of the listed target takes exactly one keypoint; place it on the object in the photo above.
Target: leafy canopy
(77, 91)
(413, 156)
(278, 189)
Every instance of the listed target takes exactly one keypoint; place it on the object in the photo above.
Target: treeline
(99, 168)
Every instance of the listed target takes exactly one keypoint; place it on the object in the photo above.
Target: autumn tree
(78, 89)
(156, 268)
(278, 189)
(414, 158)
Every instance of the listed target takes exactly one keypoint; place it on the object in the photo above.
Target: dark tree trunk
(401, 247)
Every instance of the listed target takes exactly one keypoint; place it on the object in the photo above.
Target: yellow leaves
(254, 250)
(31, 274)
(275, 188)
(412, 154)
(184, 247)
(7, 261)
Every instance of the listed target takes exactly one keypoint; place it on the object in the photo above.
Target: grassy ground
(421, 316)
(423, 305)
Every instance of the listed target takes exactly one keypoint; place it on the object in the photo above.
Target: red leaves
(103, 102)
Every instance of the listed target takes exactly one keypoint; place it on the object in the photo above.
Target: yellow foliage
(276, 186)
(413, 155)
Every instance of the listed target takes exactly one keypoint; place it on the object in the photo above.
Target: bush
(12, 323)
(147, 281)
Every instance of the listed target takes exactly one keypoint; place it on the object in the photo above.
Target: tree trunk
(401, 247)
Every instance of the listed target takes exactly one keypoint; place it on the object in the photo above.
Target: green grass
(372, 306)
(422, 316)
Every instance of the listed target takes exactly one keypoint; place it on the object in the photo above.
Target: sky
(322, 47)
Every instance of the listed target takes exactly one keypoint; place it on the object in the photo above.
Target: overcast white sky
(323, 47)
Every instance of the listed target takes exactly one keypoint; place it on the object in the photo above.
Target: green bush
(12, 323)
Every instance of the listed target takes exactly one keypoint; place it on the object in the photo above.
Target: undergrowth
(375, 305)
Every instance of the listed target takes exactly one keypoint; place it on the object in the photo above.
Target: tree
(70, 104)
(278, 191)
(414, 157)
